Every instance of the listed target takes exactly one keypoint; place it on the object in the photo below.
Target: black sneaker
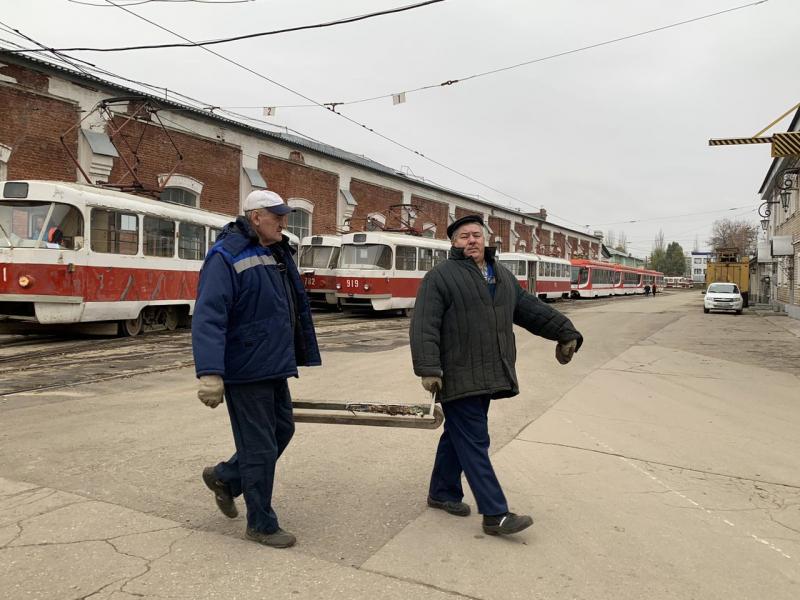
(459, 509)
(277, 539)
(222, 493)
(506, 524)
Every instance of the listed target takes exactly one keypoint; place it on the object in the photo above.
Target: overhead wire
(138, 2)
(341, 115)
(446, 83)
(238, 38)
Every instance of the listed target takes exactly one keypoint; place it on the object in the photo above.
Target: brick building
(203, 159)
(776, 276)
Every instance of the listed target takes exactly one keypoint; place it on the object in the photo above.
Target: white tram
(383, 271)
(73, 253)
(543, 276)
(319, 255)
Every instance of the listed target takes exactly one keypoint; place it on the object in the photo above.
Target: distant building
(624, 258)
(696, 265)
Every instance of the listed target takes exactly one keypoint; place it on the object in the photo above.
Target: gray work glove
(210, 390)
(565, 350)
(432, 384)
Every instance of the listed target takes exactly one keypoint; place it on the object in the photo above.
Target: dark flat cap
(451, 229)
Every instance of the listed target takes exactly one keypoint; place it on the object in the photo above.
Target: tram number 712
(310, 281)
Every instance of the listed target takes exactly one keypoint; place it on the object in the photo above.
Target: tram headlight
(338, 286)
(366, 287)
(25, 281)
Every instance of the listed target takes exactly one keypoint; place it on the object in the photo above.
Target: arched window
(429, 230)
(299, 220)
(300, 223)
(180, 189)
(375, 222)
(178, 195)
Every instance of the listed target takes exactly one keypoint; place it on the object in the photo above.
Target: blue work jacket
(252, 319)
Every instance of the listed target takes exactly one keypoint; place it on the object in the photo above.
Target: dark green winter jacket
(463, 335)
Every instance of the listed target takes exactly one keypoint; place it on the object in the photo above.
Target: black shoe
(277, 539)
(506, 524)
(222, 493)
(459, 509)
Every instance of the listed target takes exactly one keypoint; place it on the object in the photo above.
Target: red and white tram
(383, 271)
(544, 276)
(74, 253)
(592, 278)
(319, 255)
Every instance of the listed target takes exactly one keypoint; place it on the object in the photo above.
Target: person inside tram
(463, 349)
(55, 235)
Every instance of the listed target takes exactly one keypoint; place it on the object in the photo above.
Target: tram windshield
(365, 256)
(31, 224)
(319, 257)
(580, 275)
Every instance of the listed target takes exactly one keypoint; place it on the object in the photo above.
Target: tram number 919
(351, 283)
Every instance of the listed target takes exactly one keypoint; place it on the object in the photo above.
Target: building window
(114, 232)
(300, 223)
(159, 237)
(182, 196)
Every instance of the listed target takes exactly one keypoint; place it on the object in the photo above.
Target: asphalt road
(660, 463)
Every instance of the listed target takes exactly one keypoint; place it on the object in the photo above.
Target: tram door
(532, 276)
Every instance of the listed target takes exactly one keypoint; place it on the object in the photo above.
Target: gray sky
(613, 134)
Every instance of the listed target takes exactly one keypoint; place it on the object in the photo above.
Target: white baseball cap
(266, 199)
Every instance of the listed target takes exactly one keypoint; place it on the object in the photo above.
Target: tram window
(191, 241)
(517, 267)
(159, 237)
(406, 258)
(365, 256)
(617, 277)
(541, 269)
(632, 278)
(213, 232)
(35, 224)
(425, 259)
(334, 258)
(114, 232)
(439, 256)
(316, 257)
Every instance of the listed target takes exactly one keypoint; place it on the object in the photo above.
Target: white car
(723, 296)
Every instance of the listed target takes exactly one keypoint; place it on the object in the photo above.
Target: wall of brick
(373, 198)
(525, 234)
(432, 212)
(31, 125)
(293, 179)
(502, 229)
(33, 80)
(215, 164)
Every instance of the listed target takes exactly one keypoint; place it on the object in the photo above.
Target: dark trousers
(464, 446)
(262, 423)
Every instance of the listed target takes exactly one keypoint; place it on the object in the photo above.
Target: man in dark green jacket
(462, 346)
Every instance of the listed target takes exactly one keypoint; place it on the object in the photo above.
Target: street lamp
(789, 177)
(784, 191)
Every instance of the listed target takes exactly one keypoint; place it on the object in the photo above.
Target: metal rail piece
(415, 416)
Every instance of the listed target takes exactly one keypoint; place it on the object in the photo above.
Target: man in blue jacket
(251, 329)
